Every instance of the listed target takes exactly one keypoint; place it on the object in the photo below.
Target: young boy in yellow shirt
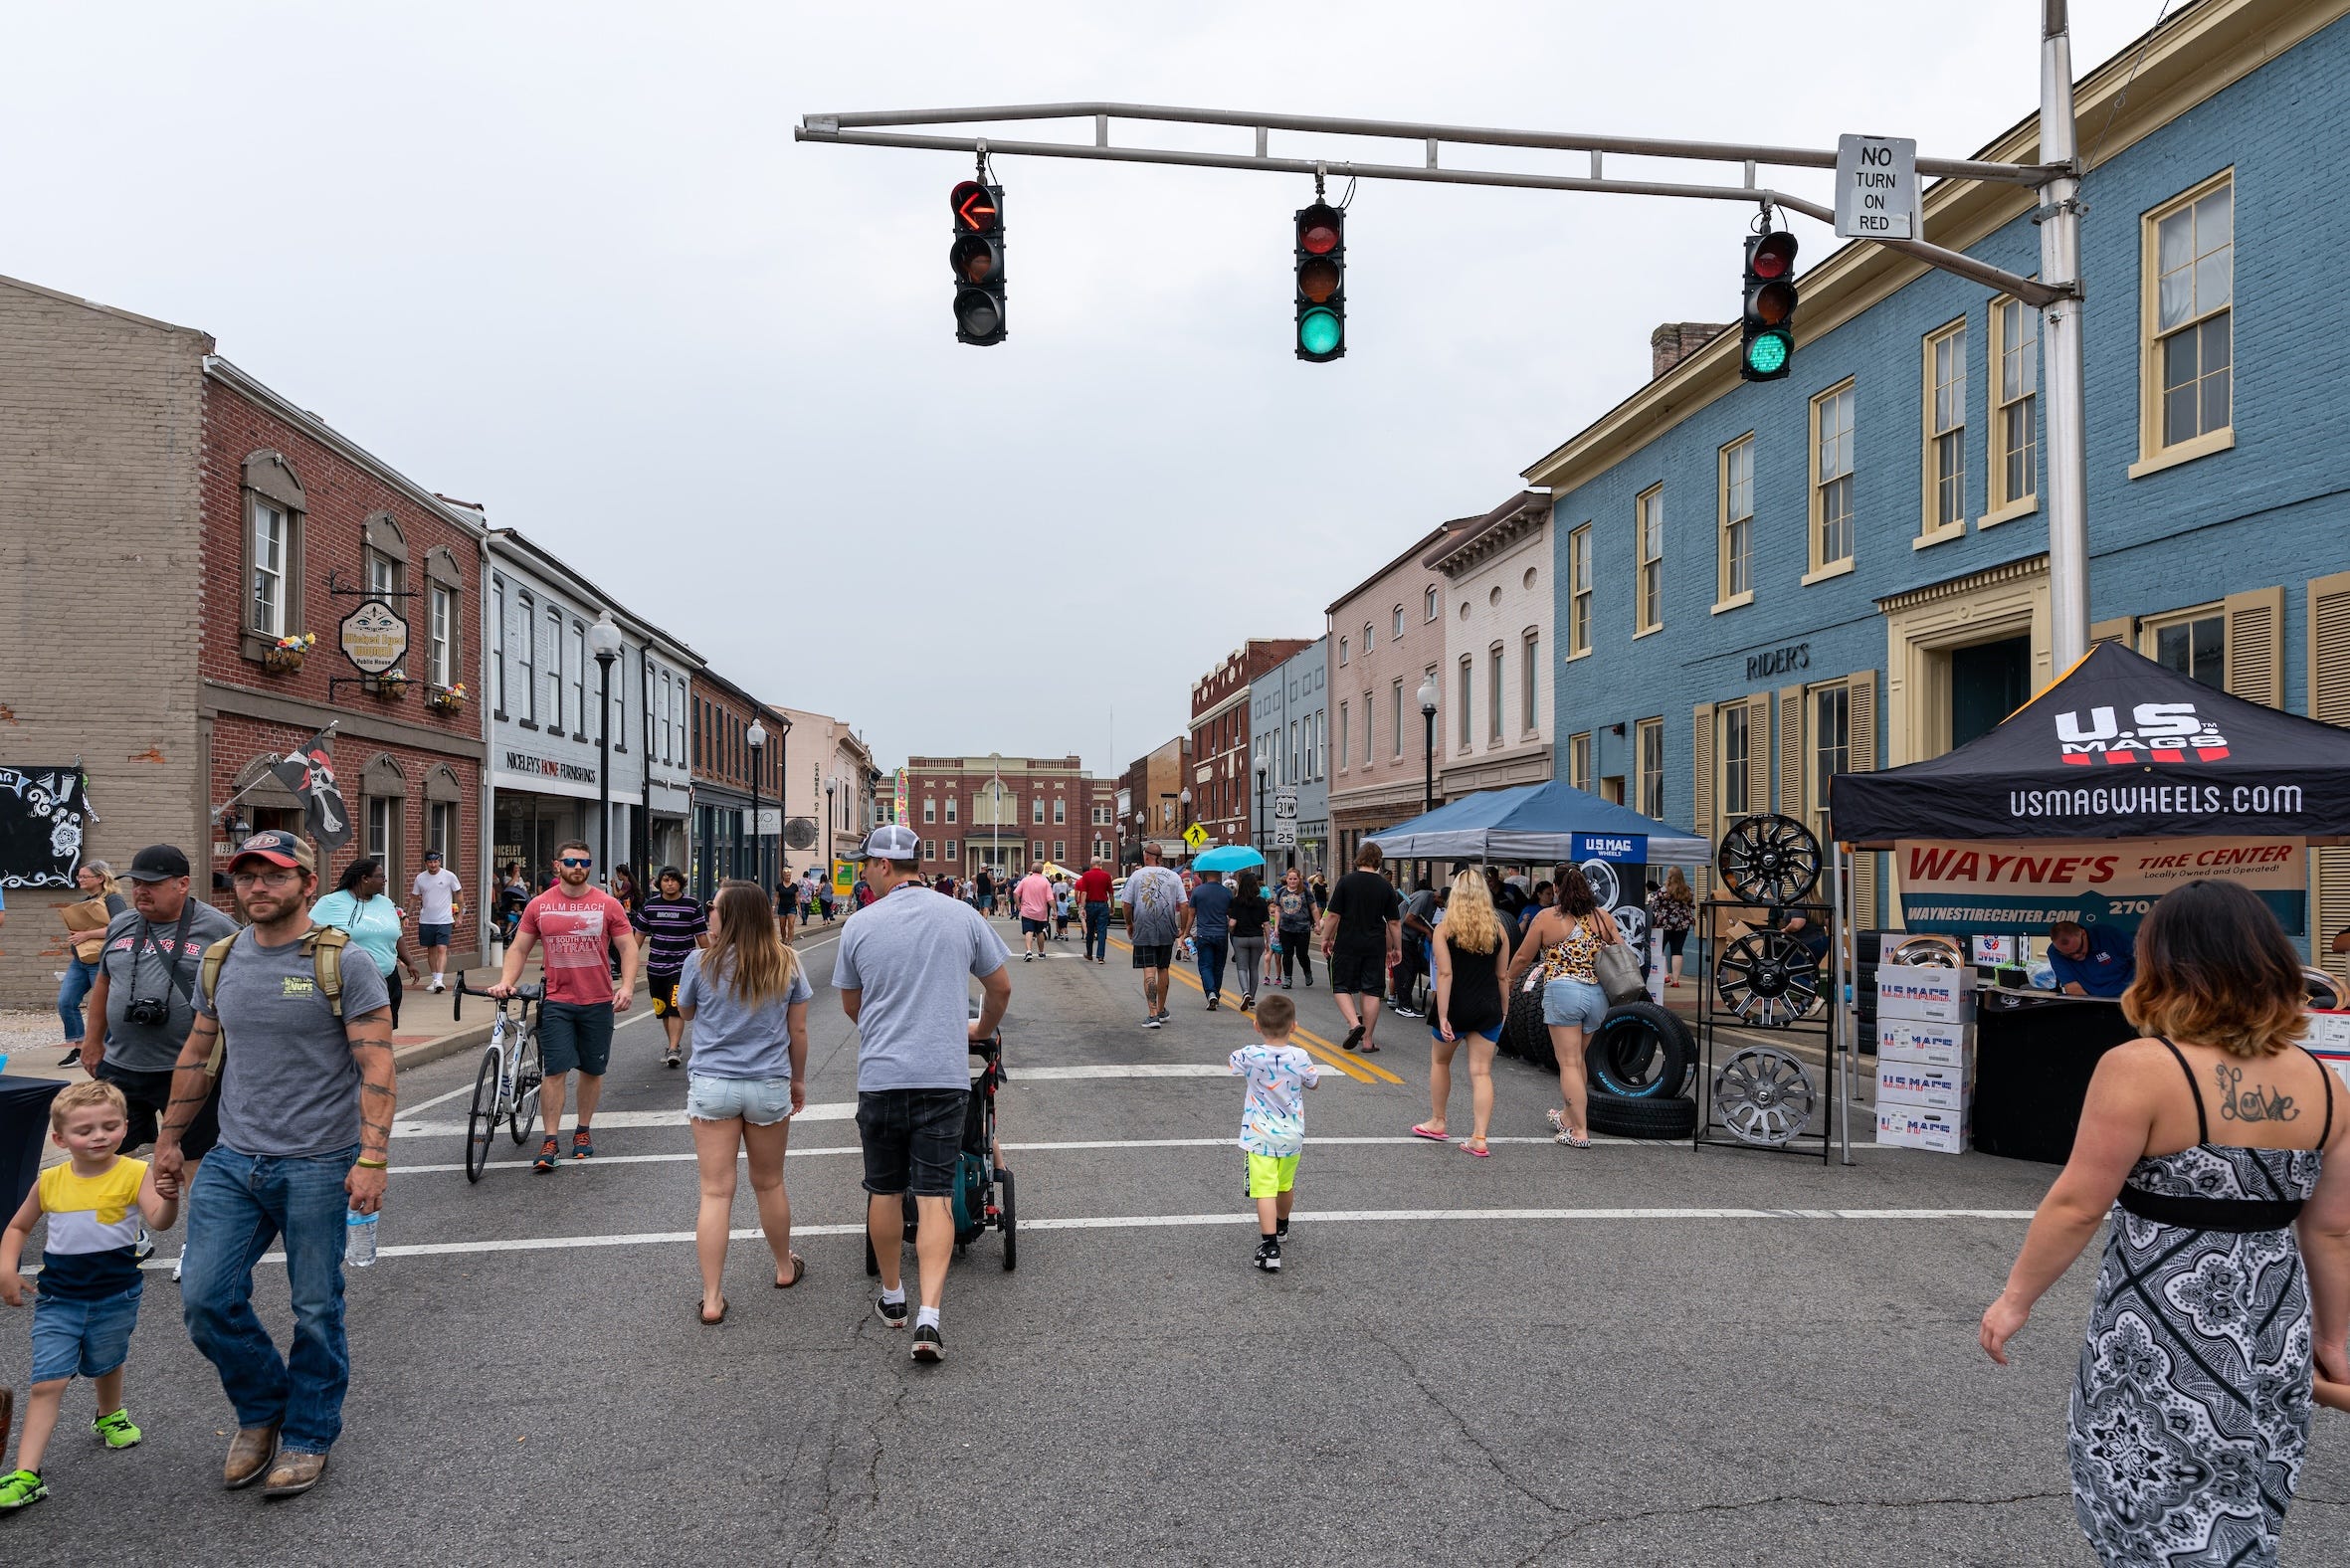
(90, 1283)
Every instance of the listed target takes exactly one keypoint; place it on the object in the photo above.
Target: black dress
(2191, 1410)
(1476, 1001)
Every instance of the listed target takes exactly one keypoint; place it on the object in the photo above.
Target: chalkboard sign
(40, 812)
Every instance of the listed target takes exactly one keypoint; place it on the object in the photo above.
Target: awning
(1537, 822)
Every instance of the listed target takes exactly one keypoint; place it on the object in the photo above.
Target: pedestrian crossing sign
(1195, 837)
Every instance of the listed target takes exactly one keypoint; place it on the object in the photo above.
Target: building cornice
(2203, 50)
(1412, 552)
(1952, 587)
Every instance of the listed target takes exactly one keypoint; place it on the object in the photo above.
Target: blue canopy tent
(1536, 822)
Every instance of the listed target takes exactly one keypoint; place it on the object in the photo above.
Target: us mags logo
(2165, 733)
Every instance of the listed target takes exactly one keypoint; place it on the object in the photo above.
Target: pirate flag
(309, 774)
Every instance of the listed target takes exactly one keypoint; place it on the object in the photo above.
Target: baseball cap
(157, 863)
(893, 841)
(279, 849)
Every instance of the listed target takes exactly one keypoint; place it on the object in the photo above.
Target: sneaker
(116, 1430)
(584, 1145)
(669, 1061)
(547, 1156)
(891, 1312)
(1151, 1022)
(142, 1247)
(1405, 1012)
(1268, 1255)
(177, 1264)
(1028, 958)
(19, 1488)
(928, 1347)
(1212, 1004)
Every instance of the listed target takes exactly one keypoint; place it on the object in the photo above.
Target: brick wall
(1221, 780)
(100, 414)
(1386, 786)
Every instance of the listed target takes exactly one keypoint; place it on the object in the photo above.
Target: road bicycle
(507, 1087)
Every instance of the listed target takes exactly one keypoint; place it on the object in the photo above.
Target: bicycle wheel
(1009, 1221)
(481, 1123)
(527, 1074)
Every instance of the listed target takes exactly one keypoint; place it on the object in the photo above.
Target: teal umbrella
(1227, 858)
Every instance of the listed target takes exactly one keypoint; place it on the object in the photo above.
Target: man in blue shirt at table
(2092, 960)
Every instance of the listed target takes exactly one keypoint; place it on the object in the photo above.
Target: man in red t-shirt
(1093, 911)
(575, 923)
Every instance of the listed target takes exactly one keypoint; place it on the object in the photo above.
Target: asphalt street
(1637, 1353)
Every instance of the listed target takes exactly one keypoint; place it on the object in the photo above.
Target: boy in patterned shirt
(1272, 1120)
(89, 1280)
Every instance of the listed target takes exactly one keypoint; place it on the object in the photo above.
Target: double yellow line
(1360, 1068)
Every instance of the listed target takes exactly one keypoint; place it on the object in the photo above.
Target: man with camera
(144, 991)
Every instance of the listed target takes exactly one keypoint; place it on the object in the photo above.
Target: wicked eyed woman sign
(40, 812)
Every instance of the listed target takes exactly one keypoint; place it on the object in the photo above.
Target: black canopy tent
(2118, 748)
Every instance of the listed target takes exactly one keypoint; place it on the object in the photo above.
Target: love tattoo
(2258, 1103)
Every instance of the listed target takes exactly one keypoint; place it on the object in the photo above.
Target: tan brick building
(1146, 805)
(142, 473)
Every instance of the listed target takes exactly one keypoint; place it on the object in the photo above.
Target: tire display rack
(1766, 985)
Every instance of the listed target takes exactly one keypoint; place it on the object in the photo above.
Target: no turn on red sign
(1877, 188)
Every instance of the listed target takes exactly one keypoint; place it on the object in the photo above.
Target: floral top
(1571, 959)
(1272, 1121)
(1668, 914)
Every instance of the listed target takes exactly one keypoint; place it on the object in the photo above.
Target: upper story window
(1060, 812)
(1579, 591)
(578, 679)
(524, 620)
(1736, 574)
(1652, 768)
(1946, 429)
(275, 511)
(440, 634)
(951, 808)
(1649, 557)
(1428, 604)
(1832, 477)
(498, 646)
(2190, 266)
(553, 715)
(271, 533)
(2015, 412)
(1366, 637)
(1395, 631)
(1342, 650)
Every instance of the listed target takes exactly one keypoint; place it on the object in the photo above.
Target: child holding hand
(90, 1285)
(1272, 1120)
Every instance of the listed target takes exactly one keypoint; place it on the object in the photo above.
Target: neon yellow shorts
(1270, 1176)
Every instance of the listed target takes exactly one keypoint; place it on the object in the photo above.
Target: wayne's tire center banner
(1979, 885)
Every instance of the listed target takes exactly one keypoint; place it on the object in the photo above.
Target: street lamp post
(1183, 799)
(829, 785)
(1427, 744)
(604, 642)
(755, 737)
(1257, 827)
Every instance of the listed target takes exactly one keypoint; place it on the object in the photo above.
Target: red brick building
(300, 527)
(1005, 812)
(1221, 784)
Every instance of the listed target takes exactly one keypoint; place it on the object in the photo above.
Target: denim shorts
(760, 1102)
(913, 1139)
(89, 1337)
(1575, 1002)
(575, 1035)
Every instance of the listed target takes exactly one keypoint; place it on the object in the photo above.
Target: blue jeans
(80, 977)
(1097, 931)
(1211, 950)
(239, 1205)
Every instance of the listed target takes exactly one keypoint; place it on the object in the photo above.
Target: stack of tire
(1638, 1065)
(1867, 949)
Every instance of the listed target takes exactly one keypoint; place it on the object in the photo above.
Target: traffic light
(1321, 283)
(977, 258)
(1767, 335)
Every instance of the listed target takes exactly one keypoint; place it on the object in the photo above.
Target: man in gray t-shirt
(145, 991)
(305, 1119)
(904, 971)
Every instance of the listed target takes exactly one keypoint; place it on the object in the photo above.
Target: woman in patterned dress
(1565, 938)
(2217, 1145)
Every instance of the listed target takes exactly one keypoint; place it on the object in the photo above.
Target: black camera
(148, 1009)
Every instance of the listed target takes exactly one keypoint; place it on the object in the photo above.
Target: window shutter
(1861, 714)
(1791, 751)
(2121, 629)
(2329, 702)
(1702, 776)
(1758, 752)
(2255, 646)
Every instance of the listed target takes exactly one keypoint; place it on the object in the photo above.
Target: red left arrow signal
(974, 207)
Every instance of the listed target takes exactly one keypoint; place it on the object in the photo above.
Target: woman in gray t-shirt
(745, 1000)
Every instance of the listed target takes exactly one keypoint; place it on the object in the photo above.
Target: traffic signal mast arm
(848, 129)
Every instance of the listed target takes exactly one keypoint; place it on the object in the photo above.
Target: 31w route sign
(1877, 188)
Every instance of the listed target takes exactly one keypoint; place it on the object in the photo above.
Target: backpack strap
(208, 978)
(325, 944)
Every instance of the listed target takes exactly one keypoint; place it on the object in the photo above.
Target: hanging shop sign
(1624, 849)
(1965, 885)
(41, 813)
(374, 637)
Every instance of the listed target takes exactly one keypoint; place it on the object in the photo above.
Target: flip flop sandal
(1432, 1137)
(1353, 1038)
(1368, 1049)
(1470, 1148)
(1557, 1118)
(711, 1322)
(1572, 1141)
(799, 1271)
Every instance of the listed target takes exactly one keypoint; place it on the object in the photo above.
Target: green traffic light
(1318, 331)
(1767, 353)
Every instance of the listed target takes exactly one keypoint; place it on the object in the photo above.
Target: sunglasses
(575, 860)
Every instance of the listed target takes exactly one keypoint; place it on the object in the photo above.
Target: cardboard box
(1913, 1083)
(1918, 1127)
(1907, 1040)
(1929, 995)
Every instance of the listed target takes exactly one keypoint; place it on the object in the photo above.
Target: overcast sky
(566, 261)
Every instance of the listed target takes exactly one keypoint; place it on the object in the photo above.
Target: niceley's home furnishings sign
(40, 812)
(1972, 885)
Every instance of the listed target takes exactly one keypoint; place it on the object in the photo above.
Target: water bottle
(358, 1238)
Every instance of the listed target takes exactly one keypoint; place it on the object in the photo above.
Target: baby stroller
(982, 1198)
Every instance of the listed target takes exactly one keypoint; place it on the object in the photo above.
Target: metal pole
(756, 868)
(2059, 349)
(604, 762)
(1428, 755)
(1840, 1010)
